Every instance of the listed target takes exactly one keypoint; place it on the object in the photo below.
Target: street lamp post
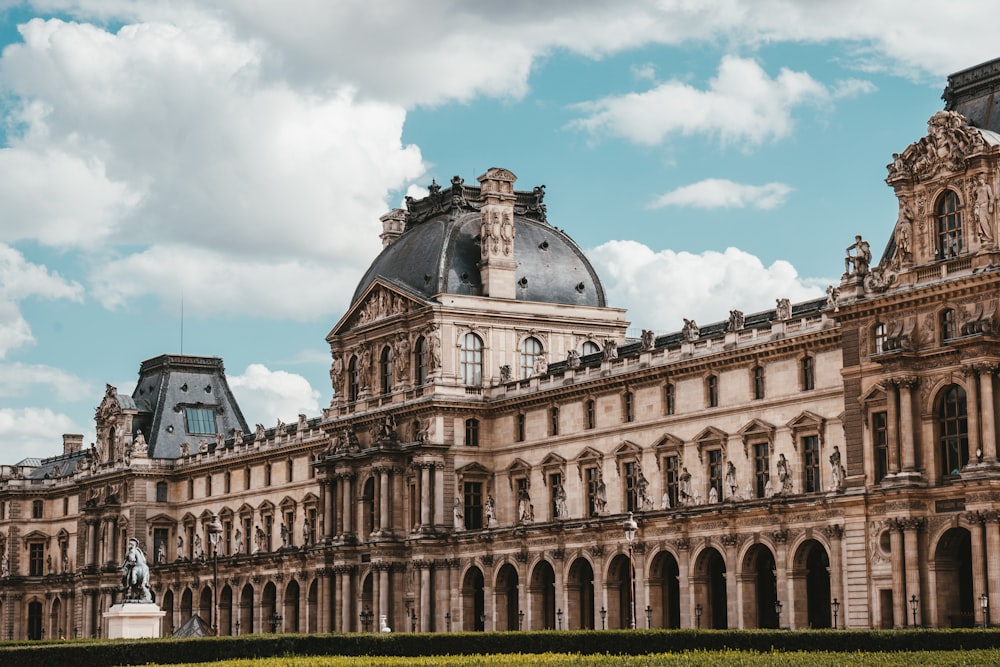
(366, 616)
(984, 601)
(913, 607)
(649, 617)
(604, 615)
(697, 614)
(520, 620)
(276, 620)
(559, 614)
(777, 611)
(836, 608)
(214, 535)
(630, 527)
(447, 620)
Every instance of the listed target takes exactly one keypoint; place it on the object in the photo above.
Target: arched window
(472, 360)
(531, 348)
(421, 357)
(949, 225)
(949, 324)
(385, 369)
(589, 347)
(953, 431)
(353, 379)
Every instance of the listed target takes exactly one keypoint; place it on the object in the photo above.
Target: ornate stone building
(497, 454)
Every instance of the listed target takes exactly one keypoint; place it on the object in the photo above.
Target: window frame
(471, 360)
(471, 432)
(952, 429)
(712, 390)
(807, 372)
(198, 419)
(948, 225)
(529, 351)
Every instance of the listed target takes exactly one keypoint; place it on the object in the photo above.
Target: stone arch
(663, 581)
(757, 579)
(708, 581)
(269, 608)
(225, 621)
(245, 624)
(618, 586)
(508, 609)
(312, 606)
(56, 630)
(167, 624)
(290, 607)
(952, 566)
(205, 610)
(810, 577)
(542, 596)
(473, 600)
(187, 605)
(579, 585)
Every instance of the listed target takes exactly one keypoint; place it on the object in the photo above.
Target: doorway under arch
(580, 594)
(710, 589)
(507, 603)
(664, 591)
(759, 588)
(473, 601)
(953, 569)
(811, 581)
(542, 597)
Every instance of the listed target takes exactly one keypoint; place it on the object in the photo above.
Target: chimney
(392, 225)
(72, 443)
(496, 233)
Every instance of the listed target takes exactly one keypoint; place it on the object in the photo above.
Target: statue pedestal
(134, 620)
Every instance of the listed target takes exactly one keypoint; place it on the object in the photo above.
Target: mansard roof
(170, 383)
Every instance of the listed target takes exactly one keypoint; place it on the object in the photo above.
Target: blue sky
(707, 156)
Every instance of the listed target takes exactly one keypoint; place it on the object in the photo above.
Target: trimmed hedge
(107, 653)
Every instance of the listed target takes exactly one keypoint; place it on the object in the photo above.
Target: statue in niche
(782, 309)
(642, 488)
(401, 358)
(433, 350)
(562, 512)
(572, 360)
(690, 330)
(180, 547)
(736, 320)
(904, 230)
(286, 535)
(491, 512)
(199, 553)
(161, 556)
(260, 540)
(364, 368)
(731, 479)
(838, 475)
(505, 374)
(647, 341)
(459, 515)
(982, 211)
(665, 501)
(4, 564)
(684, 488)
(857, 263)
(525, 510)
(784, 475)
(600, 494)
(135, 573)
(238, 541)
(610, 350)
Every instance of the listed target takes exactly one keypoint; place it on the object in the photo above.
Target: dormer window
(949, 225)
(200, 421)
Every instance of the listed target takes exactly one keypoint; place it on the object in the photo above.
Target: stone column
(909, 438)
(732, 586)
(384, 605)
(347, 508)
(910, 530)
(782, 586)
(988, 420)
(331, 522)
(892, 430)
(347, 610)
(993, 565)
(385, 506)
(439, 494)
(489, 597)
(560, 588)
(91, 543)
(376, 592)
(979, 584)
(425, 496)
(972, 413)
(425, 595)
(898, 573)
(686, 603)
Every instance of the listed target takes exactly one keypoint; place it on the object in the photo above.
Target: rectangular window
(288, 470)
(471, 432)
(631, 486)
(808, 374)
(555, 483)
(208, 486)
(66, 506)
(810, 462)
(762, 468)
(520, 426)
(161, 492)
(246, 477)
(228, 482)
(190, 489)
(590, 414)
(37, 508)
(669, 398)
(247, 535)
(715, 472)
(713, 391)
(629, 407)
(200, 420)
(268, 532)
(593, 480)
(880, 440)
(267, 474)
(671, 476)
(554, 421)
(36, 559)
(758, 382)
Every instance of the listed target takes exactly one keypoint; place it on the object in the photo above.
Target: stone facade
(486, 449)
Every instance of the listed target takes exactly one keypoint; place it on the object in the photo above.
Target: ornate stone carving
(782, 309)
(690, 330)
(948, 143)
(736, 320)
(647, 341)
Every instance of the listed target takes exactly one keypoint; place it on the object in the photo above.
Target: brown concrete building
(493, 434)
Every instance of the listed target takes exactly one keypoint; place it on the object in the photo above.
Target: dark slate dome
(438, 251)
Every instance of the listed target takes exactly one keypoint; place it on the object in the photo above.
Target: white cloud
(265, 395)
(742, 104)
(723, 193)
(17, 379)
(19, 280)
(661, 288)
(33, 432)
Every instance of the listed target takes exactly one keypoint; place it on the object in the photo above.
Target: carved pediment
(711, 437)
(473, 470)
(950, 141)
(628, 449)
(756, 430)
(378, 303)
